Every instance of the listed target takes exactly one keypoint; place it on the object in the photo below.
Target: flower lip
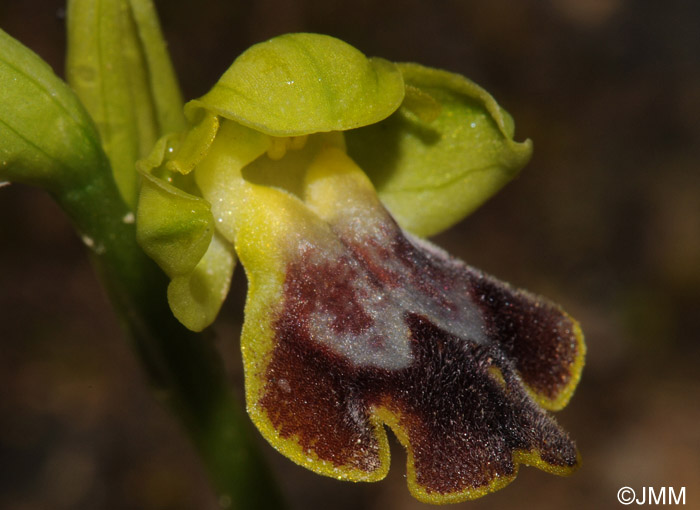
(355, 325)
(458, 403)
(298, 84)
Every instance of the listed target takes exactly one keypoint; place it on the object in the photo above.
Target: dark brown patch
(535, 334)
(316, 402)
(328, 287)
(412, 267)
(463, 418)
(462, 425)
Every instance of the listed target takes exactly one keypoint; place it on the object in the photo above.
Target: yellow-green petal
(431, 173)
(196, 298)
(174, 228)
(298, 84)
(195, 144)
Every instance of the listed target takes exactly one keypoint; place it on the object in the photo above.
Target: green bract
(48, 139)
(118, 65)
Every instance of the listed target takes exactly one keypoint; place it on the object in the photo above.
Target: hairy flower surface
(352, 322)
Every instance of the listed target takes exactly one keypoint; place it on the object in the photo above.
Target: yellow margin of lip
(290, 446)
(528, 458)
(563, 397)
(257, 344)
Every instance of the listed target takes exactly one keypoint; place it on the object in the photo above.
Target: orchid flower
(322, 171)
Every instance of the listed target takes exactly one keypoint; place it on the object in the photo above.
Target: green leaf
(434, 164)
(118, 65)
(174, 227)
(47, 139)
(298, 84)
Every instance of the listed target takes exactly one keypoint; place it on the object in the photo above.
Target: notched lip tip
(497, 483)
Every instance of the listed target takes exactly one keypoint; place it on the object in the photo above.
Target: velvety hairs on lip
(321, 170)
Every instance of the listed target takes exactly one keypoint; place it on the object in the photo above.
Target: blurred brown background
(605, 220)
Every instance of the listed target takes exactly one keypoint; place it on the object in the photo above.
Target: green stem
(182, 366)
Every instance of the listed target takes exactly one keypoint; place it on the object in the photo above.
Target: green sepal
(47, 139)
(421, 104)
(174, 228)
(298, 84)
(432, 172)
(196, 297)
(118, 65)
